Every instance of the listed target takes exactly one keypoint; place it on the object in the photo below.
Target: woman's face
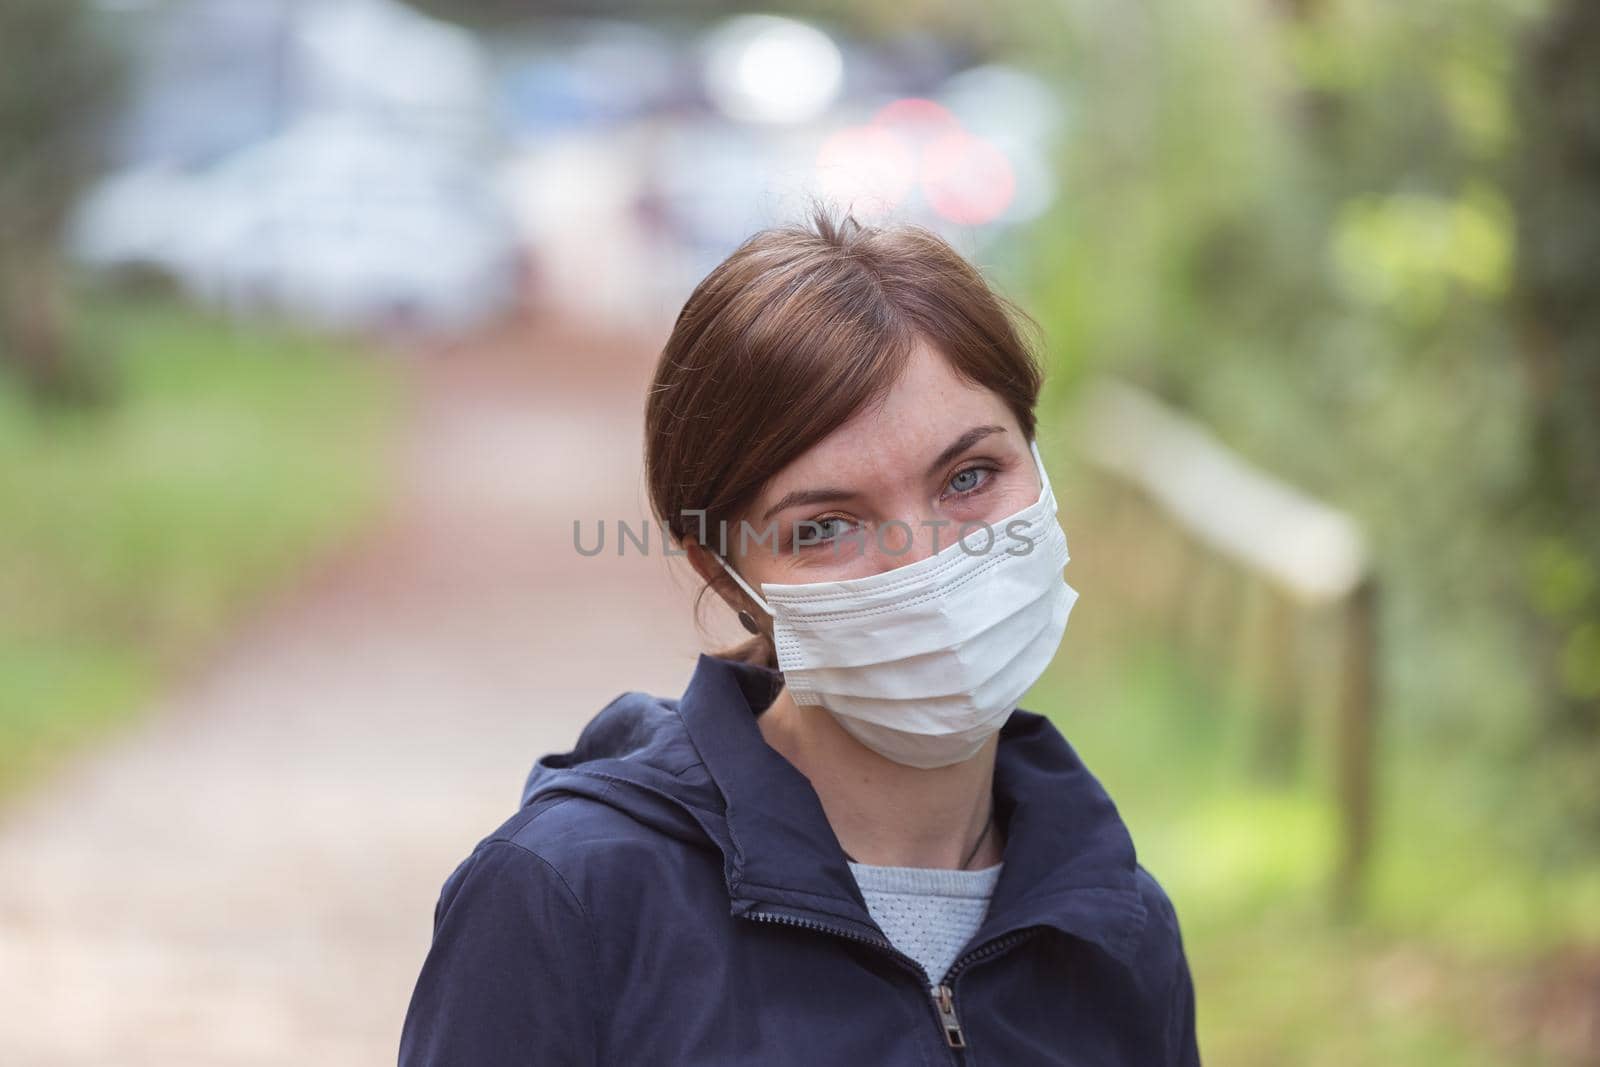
(901, 480)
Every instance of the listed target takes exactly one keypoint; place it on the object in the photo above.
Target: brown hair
(791, 335)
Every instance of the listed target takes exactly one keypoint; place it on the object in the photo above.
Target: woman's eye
(829, 528)
(813, 532)
(968, 480)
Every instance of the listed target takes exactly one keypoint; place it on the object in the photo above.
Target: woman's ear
(716, 576)
(712, 573)
(700, 559)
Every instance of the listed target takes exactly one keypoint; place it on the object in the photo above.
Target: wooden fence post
(1356, 741)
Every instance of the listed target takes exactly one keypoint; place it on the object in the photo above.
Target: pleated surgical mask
(925, 662)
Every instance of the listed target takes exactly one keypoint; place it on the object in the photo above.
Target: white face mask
(923, 663)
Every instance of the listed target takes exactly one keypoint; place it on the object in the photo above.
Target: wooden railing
(1310, 559)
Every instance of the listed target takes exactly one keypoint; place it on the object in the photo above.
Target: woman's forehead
(925, 402)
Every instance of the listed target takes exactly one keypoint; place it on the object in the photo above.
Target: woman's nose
(901, 542)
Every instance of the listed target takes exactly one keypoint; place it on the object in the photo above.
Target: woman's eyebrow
(832, 495)
(826, 495)
(961, 444)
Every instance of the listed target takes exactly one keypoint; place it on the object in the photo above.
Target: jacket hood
(696, 769)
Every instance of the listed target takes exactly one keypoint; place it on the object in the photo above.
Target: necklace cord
(964, 863)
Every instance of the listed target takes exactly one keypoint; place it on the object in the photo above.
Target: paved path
(249, 877)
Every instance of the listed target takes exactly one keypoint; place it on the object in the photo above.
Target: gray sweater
(929, 913)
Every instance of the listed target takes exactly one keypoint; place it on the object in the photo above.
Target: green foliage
(134, 534)
(1360, 240)
(1298, 221)
(1463, 904)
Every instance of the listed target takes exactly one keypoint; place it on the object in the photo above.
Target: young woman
(844, 843)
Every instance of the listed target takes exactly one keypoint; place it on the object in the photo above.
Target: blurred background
(323, 321)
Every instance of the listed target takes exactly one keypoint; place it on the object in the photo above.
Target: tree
(56, 80)
(1557, 199)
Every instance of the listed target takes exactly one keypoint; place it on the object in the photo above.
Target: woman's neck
(883, 812)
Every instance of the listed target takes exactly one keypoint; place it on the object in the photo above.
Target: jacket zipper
(812, 924)
(944, 998)
(943, 994)
(954, 1039)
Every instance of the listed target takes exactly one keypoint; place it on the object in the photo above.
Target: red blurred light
(967, 179)
(915, 114)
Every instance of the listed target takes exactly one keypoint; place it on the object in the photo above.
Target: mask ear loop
(1038, 462)
(753, 594)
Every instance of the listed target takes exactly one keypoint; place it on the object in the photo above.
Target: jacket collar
(1069, 860)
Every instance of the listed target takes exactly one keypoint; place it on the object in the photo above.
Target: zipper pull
(945, 998)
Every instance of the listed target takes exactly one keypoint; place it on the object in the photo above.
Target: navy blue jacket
(671, 893)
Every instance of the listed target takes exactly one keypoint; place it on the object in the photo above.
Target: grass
(1443, 966)
(132, 535)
